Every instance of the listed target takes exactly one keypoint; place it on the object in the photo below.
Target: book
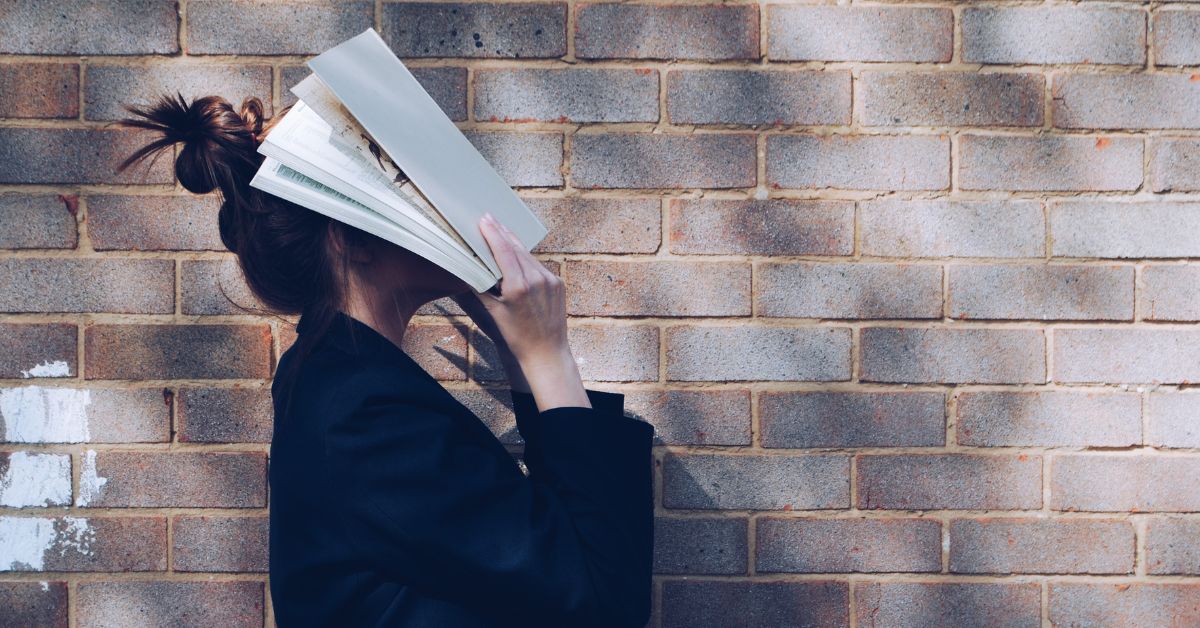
(366, 145)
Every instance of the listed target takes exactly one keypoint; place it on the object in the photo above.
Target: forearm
(554, 380)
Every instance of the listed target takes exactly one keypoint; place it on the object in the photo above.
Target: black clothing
(392, 504)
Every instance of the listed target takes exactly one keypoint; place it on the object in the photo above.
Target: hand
(474, 308)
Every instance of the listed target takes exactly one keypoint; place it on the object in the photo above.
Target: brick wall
(905, 288)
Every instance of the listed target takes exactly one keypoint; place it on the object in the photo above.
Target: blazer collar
(354, 337)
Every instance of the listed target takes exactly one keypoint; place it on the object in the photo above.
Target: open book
(368, 146)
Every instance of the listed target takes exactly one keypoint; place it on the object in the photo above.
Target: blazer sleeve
(437, 507)
(529, 422)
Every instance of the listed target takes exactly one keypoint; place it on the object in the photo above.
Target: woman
(391, 503)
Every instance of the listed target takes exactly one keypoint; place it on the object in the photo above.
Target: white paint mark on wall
(25, 541)
(57, 368)
(36, 479)
(45, 585)
(90, 484)
(36, 414)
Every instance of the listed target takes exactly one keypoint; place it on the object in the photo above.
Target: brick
(758, 482)
(950, 99)
(645, 31)
(850, 290)
(215, 287)
(33, 604)
(447, 86)
(90, 27)
(1126, 101)
(859, 162)
(694, 417)
(224, 415)
(598, 225)
(749, 352)
(38, 350)
(39, 90)
(1125, 230)
(232, 604)
(154, 223)
(42, 414)
(949, 482)
(1133, 483)
(758, 97)
(828, 33)
(1174, 420)
(441, 350)
(748, 604)
(1169, 293)
(1050, 163)
(144, 479)
(1176, 37)
(109, 86)
(709, 545)
(1065, 34)
(254, 27)
(953, 356)
(1126, 355)
(1049, 419)
(602, 352)
(220, 544)
(1171, 546)
(1133, 605)
(566, 95)
(1041, 292)
(441, 307)
(177, 351)
(37, 221)
(761, 227)
(852, 419)
(939, 228)
(126, 285)
(84, 544)
(847, 545)
(463, 29)
(75, 156)
(1062, 546)
(31, 479)
(657, 288)
(522, 159)
(653, 160)
(1175, 164)
(493, 406)
(918, 604)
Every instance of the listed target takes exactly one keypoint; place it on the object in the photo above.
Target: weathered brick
(566, 95)
(39, 90)
(234, 544)
(177, 351)
(847, 545)
(859, 162)
(1049, 419)
(109, 86)
(1176, 37)
(123, 479)
(949, 481)
(1169, 293)
(794, 482)
(653, 160)
(231, 604)
(90, 27)
(38, 350)
(1062, 34)
(34, 479)
(1175, 164)
(1040, 291)
(646, 31)
(37, 221)
(598, 225)
(657, 288)
(852, 419)
(750, 604)
(1123, 230)
(43, 284)
(84, 544)
(1132, 605)
(522, 159)
(1050, 163)
(54, 155)
(254, 27)
(43, 414)
(1174, 420)
(761, 227)
(463, 29)
(950, 99)
(709, 545)
(602, 352)
(920, 604)
(224, 415)
(1012, 545)
(1171, 546)
(938, 228)
(708, 353)
(215, 287)
(849, 290)
(1117, 355)
(154, 223)
(694, 417)
(31, 603)
(841, 33)
(952, 356)
(1126, 101)
(441, 350)
(1134, 483)
(758, 97)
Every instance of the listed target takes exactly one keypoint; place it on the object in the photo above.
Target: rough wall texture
(905, 287)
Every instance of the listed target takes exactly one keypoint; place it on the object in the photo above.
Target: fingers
(504, 251)
(530, 264)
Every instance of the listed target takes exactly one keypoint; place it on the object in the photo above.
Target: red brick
(1172, 546)
(841, 33)
(847, 545)
(953, 355)
(949, 482)
(84, 544)
(852, 419)
(224, 415)
(57, 155)
(1041, 292)
(921, 604)
(227, 544)
(1049, 419)
(175, 603)
(250, 27)
(209, 286)
(858, 162)
(1131, 605)
(655, 160)
(1115, 355)
(612, 353)
(1057, 546)
(761, 227)
(28, 603)
(757, 482)
(658, 288)
(1173, 420)
(447, 29)
(1054, 34)
(38, 221)
(566, 95)
(177, 351)
(493, 406)
(1124, 483)
(694, 545)
(646, 31)
(44, 414)
(154, 223)
(694, 417)
(128, 479)
(1050, 163)
(522, 159)
(693, 603)
(38, 350)
(93, 28)
(757, 352)
(950, 99)
(1126, 101)
(598, 225)
(441, 350)
(1175, 164)
(754, 97)
(849, 290)
(108, 86)
(39, 90)
(124, 285)
(939, 228)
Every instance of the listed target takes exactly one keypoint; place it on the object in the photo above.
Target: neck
(387, 314)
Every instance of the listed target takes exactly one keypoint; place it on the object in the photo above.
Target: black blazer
(392, 504)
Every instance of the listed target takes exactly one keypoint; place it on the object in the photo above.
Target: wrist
(554, 380)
